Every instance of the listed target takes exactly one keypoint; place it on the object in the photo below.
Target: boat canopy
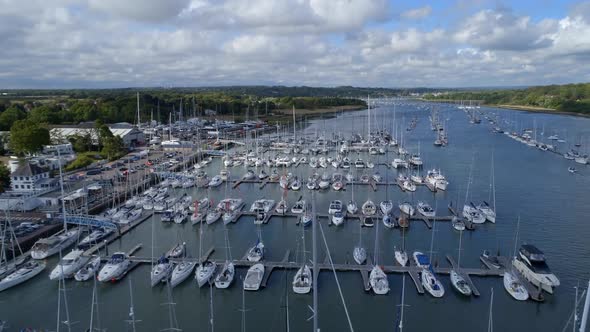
(532, 253)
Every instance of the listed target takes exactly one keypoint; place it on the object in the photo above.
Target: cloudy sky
(123, 43)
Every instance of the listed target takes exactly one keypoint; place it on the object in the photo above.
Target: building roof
(28, 169)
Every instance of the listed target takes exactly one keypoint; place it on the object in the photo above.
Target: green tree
(113, 147)
(4, 177)
(81, 143)
(9, 116)
(27, 136)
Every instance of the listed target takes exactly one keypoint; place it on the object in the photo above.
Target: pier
(412, 270)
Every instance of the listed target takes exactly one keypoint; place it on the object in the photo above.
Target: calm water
(553, 206)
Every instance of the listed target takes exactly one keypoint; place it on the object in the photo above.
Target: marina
(230, 220)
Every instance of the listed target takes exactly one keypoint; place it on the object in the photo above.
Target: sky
(374, 43)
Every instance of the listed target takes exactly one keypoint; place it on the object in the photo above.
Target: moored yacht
(68, 265)
(487, 211)
(378, 281)
(459, 283)
(431, 283)
(531, 263)
(161, 271)
(369, 208)
(386, 206)
(425, 209)
(89, 270)
(22, 274)
(50, 246)
(406, 208)
(256, 253)
(302, 280)
(253, 277)
(204, 272)
(471, 213)
(514, 287)
(401, 256)
(181, 271)
(226, 275)
(115, 268)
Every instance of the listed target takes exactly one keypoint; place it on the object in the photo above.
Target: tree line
(567, 98)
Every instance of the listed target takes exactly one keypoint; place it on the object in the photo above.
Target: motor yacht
(254, 277)
(115, 268)
(337, 218)
(68, 265)
(89, 270)
(50, 246)
(425, 209)
(530, 262)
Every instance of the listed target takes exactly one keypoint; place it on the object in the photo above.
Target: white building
(28, 177)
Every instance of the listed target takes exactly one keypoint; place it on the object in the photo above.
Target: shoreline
(534, 109)
(524, 108)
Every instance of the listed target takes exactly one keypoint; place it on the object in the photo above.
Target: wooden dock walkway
(268, 270)
(122, 230)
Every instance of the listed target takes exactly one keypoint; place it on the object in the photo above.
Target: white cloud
(503, 30)
(417, 13)
(141, 10)
(293, 42)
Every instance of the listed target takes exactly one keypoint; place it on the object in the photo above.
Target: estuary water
(553, 205)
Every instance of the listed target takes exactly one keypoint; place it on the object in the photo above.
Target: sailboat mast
(401, 319)
(61, 184)
(294, 126)
(315, 267)
(138, 116)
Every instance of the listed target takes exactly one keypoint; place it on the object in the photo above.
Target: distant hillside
(574, 98)
(258, 91)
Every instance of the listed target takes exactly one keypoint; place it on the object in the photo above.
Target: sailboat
(429, 280)
(457, 280)
(401, 256)
(489, 212)
(256, 253)
(302, 280)
(359, 253)
(161, 271)
(512, 283)
(226, 275)
(470, 212)
(22, 274)
(377, 278)
(182, 271)
(351, 207)
(206, 268)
